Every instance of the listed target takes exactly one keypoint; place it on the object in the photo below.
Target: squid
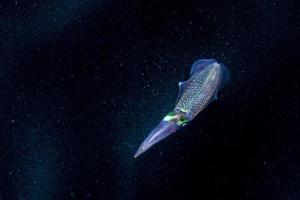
(207, 77)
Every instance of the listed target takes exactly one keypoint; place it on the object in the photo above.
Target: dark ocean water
(83, 82)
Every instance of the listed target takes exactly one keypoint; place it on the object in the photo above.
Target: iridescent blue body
(207, 76)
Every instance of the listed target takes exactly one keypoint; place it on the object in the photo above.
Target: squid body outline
(207, 77)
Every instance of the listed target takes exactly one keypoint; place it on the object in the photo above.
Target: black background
(83, 82)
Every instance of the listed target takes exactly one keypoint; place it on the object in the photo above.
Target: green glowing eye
(182, 121)
(171, 114)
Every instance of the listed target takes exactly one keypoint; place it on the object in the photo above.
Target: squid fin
(181, 89)
(199, 65)
(225, 76)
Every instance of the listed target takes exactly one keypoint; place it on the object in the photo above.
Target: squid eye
(182, 121)
(171, 114)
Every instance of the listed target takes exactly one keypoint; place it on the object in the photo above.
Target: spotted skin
(199, 90)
